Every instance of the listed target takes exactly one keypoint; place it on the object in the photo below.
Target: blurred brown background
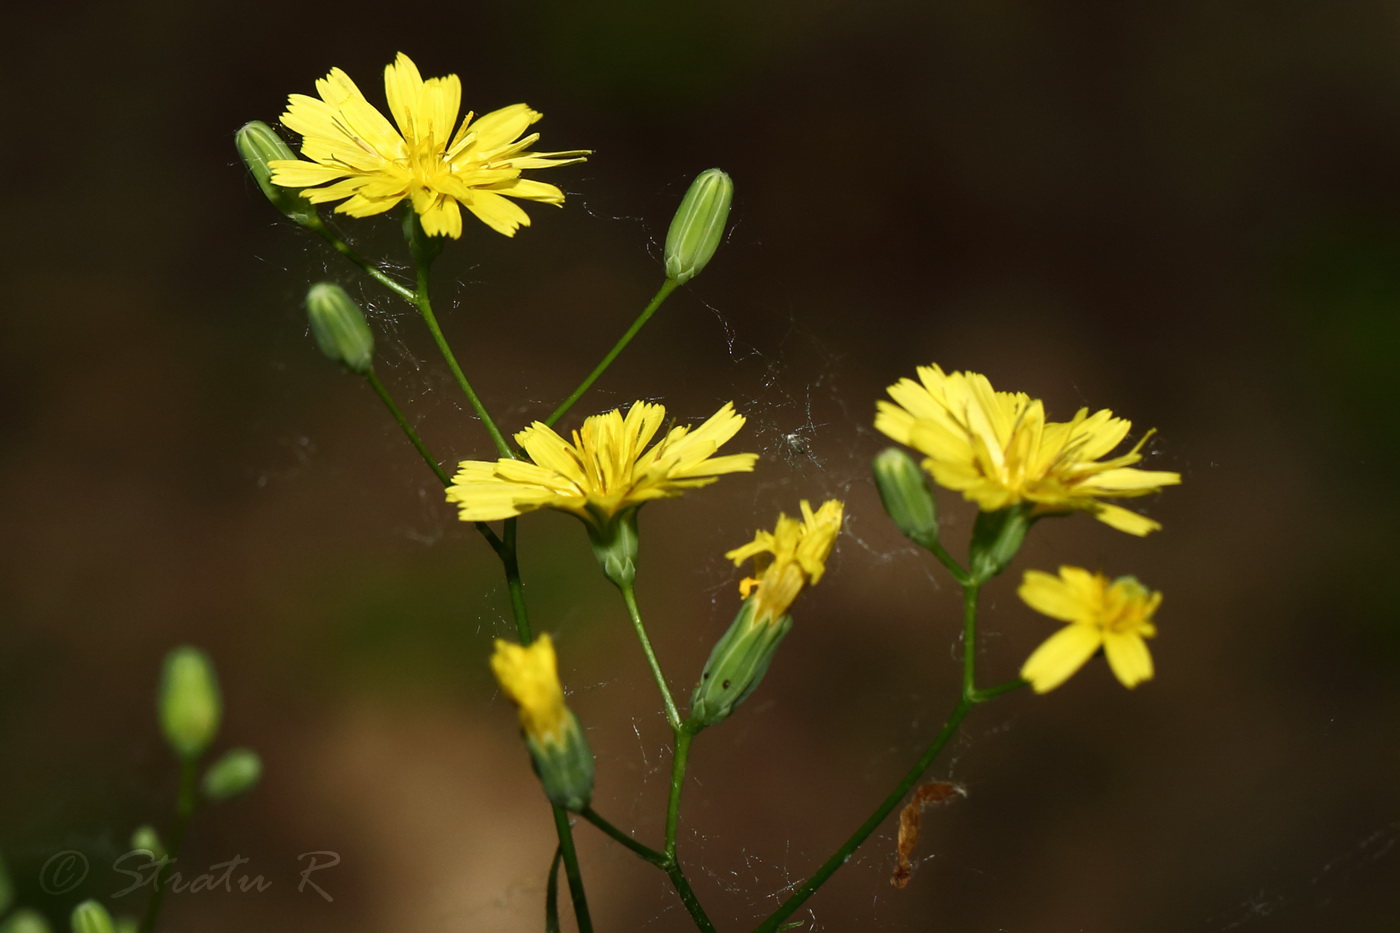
(1188, 213)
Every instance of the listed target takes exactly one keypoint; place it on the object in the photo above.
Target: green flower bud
(340, 327)
(736, 665)
(698, 225)
(906, 497)
(190, 705)
(615, 545)
(996, 537)
(92, 917)
(259, 144)
(144, 838)
(564, 767)
(236, 773)
(7, 888)
(25, 921)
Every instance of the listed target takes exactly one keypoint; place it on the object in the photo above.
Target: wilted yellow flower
(997, 449)
(606, 470)
(788, 558)
(358, 155)
(529, 674)
(1115, 616)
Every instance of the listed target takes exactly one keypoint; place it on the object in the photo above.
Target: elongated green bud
(698, 225)
(340, 327)
(736, 665)
(190, 705)
(145, 838)
(236, 773)
(25, 921)
(906, 496)
(92, 917)
(259, 144)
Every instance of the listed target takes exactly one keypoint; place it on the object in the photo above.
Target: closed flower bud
(340, 327)
(698, 225)
(906, 497)
(737, 664)
(145, 839)
(92, 917)
(237, 772)
(190, 705)
(25, 921)
(529, 675)
(258, 144)
(615, 546)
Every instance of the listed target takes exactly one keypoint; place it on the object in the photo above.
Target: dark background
(1188, 213)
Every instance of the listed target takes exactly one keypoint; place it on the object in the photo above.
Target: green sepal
(564, 766)
(996, 537)
(736, 665)
(615, 543)
(907, 499)
(423, 247)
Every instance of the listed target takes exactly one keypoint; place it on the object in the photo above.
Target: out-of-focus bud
(25, 921)
(529, 675)
(235, 773)
(736, 665)
(996, 537)
(698, 225)
(340, 327)
(259, 144)
(92, 917)
(127, 925)
(190, 706)
(145, 839)
(906, 496)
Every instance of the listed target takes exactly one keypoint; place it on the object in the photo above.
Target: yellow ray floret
(997, 449)
(606, 469)
(357, 156)
(529, 674)
(1115, 616)
(789, 557)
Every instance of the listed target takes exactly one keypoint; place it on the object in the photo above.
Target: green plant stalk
(684, 735)
(661, 295)
(629, 596)
(551, 894)
(186, 802)
(571, 870)
(407, 428)
(666, 863)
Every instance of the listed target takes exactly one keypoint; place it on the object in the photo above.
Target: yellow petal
(1060, 656)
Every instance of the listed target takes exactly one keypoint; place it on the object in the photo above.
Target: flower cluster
(789, 557)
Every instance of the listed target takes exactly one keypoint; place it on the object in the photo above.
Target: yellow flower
(1115, 616)
(788, 558)
(360, 156)
(605, 471)
(530, 677)
(997, 449)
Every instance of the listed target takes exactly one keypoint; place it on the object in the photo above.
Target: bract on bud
(615, 546)
(906, 496)
(698, 225)
(737, 664)
(25, 921)
(92, 917)
(340, 327)
(996, 537)
(145, 839)
(259, 144)
(237, 772)
(190, 705)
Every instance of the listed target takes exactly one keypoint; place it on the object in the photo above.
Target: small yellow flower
(360, 156)
(788, 558)
(1115, 616)
(530, 677)
(997, 449)
(606, 470)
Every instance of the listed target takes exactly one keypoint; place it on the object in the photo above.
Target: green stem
(551, 894)
(571, 871)
(661, 295)
(629, 596)
(688, 898)
(829, 867)
(365, 266)
(970, 593)
(684, 735)
(186, 802)
(511, 561)
(644, 852)
(959, 574)
(407, 428)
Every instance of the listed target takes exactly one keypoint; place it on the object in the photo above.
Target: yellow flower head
(530, 677)
(788, 558)
(606, 470)
(1115, 616)
(359, 155)
(997, 449)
